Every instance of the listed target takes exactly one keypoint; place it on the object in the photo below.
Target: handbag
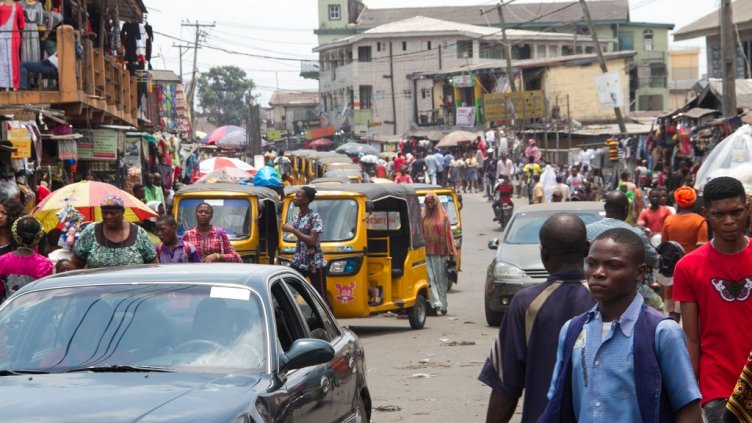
(451, 267)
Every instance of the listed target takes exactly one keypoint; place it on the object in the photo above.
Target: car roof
(254, 276)
(564, 206)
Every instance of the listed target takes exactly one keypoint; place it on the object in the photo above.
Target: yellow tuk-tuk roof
(262, 193)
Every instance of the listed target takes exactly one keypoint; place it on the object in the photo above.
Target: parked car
(517, 263)
(178, 343)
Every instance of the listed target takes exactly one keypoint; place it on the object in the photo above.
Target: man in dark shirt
(418, 166)
(524, 354)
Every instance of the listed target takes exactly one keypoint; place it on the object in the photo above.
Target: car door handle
(325, 384)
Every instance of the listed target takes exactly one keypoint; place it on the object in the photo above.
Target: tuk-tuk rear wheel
(417, 313)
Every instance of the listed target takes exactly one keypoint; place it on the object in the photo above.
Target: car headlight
(342, 267)
(508, 271)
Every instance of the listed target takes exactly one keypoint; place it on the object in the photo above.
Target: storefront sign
(273, 135)
(465, 116)
(463, 81)
(516, 105)
(608, 87)
(20, 139)
(316, 133)
(132, 152)
(98, 144)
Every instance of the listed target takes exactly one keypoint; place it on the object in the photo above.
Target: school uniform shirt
(720, 286)
(603, 381)
(524, 354)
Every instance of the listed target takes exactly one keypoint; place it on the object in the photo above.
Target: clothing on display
(11, 23)
(34, 16)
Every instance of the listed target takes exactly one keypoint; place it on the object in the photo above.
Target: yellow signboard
(518, 105)
(273, 135)
(20, 139)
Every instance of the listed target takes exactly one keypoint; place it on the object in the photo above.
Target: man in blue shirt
(523, 355)
(173, 249)
(621, 361)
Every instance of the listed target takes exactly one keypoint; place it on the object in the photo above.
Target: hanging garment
(11, 22)
(34, 14)
(130, 35)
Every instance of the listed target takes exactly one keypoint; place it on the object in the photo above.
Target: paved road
(430, 375)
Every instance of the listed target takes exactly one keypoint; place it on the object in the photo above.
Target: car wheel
(361, 414)
(417, 313)
(493, 318)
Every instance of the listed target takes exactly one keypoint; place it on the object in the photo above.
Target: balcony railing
(93, 89)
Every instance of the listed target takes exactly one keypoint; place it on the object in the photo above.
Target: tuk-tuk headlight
(288, 250)
(283, 262)
(342, 267)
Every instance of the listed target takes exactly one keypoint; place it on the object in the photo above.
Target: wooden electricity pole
(194, 83)
(728, 55)
(507, 48)
(604, 68)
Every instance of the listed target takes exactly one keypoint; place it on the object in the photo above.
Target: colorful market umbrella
(455, 138)
(227, 174)
(228, 137)
(85, 196)
(321, 144)
(216, 163)
(355, 148)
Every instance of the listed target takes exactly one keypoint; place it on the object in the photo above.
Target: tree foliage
(223, 92)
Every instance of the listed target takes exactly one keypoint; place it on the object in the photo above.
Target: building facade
(295, 111)
(684, 71)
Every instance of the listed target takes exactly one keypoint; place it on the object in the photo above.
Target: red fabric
(42, 193)
(654, 219)
(212, 244)
(18, 24)
(702, 277)
(403, 179)
(380, 171)
(398, 163)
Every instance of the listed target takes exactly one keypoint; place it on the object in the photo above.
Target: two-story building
(364, 80)
(295, 110)
(648, 69)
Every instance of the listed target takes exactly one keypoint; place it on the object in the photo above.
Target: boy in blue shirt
(622, 361)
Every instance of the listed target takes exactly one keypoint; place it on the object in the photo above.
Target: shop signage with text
(98, 144)
(20, 139)
(316, 133)
(517, 105)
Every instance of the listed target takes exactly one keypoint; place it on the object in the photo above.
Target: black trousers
(317, 279)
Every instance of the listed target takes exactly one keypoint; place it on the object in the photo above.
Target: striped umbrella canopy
(216, 163)
(227, 174)
(86, 196)
(228, 136)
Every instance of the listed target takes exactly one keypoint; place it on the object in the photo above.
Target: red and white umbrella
(215, 163)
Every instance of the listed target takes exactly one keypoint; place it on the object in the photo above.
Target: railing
(428, 117)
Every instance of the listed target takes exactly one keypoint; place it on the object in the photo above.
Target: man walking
(523, 355)
(712, 285)
(173, 249)
(654, 216)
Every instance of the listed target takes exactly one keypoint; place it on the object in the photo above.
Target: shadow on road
(369, 331)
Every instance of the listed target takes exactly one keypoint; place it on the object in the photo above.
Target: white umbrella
(454, 138)
(210, 165)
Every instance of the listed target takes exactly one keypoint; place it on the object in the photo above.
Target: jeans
(44, 68)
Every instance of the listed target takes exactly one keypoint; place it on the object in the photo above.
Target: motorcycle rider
(505, 191)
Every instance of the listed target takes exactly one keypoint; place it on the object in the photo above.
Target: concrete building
(649, 67)
(364, 80)
(295, 111)
(684, 71)
(708, 27)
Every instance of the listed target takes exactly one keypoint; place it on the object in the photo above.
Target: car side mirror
(493, 244)
(306, 352)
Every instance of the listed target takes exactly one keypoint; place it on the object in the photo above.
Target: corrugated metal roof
(514, 14)
(164, 75)
(743, 90)
(699, 112)
(294, 98)
(708, 24)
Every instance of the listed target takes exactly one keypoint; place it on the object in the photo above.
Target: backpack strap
(647, 371)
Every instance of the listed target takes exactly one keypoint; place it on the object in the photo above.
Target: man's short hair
(310, 193)
(564, 234)
(721, 188)
(167, 220)
(627, 238)
(205, 204)
(137, 187)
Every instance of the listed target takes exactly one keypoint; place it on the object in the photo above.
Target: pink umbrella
(215, 163)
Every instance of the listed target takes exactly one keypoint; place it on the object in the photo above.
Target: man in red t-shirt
(713, 284)
(654, 216)
(399, 161)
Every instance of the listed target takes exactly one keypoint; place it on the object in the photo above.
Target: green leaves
(223, 94)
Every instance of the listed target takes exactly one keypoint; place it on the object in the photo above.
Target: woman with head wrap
(113, 242)
(548, 179)
(10, 210)
(688, 229)
(437, 233)
(23, 265)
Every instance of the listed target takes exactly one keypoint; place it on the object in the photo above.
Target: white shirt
(586, 156)
(506, 169)
(490, 137)
(503, 145)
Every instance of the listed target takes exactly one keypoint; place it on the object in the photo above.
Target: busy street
(384, 211)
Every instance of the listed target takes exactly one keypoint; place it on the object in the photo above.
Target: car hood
(524, 256)
(126, 397)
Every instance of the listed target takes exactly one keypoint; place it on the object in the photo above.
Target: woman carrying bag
(437, 232)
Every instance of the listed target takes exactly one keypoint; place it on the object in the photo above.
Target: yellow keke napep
(247, 214)
(452, 203)
(372, 239)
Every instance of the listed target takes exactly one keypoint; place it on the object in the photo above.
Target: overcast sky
(284, 28)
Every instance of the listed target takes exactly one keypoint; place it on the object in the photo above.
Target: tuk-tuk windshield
(232, 215)
(339, 217)
(449, 206)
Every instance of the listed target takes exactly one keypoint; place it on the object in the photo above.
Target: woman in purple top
(23, 265)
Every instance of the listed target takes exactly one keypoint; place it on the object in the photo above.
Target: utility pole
(507, 48)
(192, 92)
(728, 54)
(604, 68)
(180, 50)
(391, 81)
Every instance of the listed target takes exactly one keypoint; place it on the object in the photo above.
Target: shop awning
(699, 112)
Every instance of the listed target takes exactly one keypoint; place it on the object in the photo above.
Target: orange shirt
(653, 219)
(687, 229)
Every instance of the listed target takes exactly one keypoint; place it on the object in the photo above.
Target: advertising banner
(465, 116)
(21, 139)
(608, 87)
(515, 105)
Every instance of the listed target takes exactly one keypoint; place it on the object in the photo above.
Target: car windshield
(232, 215)
(185, 327)
(339, 217)
(449, 206)
(524, 227)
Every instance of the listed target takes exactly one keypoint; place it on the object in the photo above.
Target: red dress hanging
(11, 23)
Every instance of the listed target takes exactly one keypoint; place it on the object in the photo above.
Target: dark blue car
(231, 343)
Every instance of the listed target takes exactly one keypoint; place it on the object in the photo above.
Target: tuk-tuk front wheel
(417, 313)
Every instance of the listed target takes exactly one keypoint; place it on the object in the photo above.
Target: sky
(284, 29)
